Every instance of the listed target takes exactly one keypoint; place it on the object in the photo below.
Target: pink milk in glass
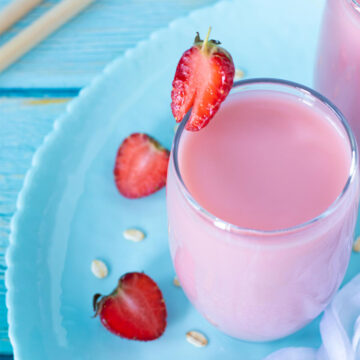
(337, 73)
(262, 206)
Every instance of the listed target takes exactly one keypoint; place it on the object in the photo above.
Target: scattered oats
(239, 74)
(176, 282)
(176, 127)
(134, 235)
(99, 269)
(356, 246)
(196, 338)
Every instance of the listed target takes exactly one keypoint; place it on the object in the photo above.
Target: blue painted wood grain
(79, 50)
(35, 90)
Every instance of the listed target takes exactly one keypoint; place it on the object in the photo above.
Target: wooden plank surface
(78, 51)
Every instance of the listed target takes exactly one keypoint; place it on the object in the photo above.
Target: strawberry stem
(205, 43)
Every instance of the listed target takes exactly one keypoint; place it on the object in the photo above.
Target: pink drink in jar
(262, 205)
(337, 73)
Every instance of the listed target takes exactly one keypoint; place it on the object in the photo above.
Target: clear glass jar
(262, 285)
(337, 72)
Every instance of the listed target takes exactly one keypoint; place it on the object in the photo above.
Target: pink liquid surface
(265, 167)
(268, 160)
(337, 73)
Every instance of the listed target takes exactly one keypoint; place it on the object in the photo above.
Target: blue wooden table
(35, 91)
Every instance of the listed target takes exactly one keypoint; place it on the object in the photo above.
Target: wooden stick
(15, 11)
(39, 30)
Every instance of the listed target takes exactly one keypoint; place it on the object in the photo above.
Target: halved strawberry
(203, 79)
(141, 166)
(134, 310)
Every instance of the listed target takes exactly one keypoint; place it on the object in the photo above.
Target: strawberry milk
(262, 206)
(337, 74)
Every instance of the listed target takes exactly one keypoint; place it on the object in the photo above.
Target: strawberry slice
(203, 79)
(134, 310)
(141, 166)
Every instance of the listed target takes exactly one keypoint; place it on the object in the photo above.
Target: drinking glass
(337, 73)
(262, 285)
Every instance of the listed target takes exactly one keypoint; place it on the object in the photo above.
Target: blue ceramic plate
(70, 212)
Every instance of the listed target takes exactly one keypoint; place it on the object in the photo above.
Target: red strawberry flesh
(135, 310)
(203, 79)
(141, 166)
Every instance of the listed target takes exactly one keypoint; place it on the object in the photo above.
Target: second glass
(337, 73)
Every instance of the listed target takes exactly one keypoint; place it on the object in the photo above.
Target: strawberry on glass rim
(204, 76)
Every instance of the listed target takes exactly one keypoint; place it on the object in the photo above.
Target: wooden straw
(39, 30)
(15, 11)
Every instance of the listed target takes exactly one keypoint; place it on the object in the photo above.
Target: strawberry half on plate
(135, 310)
(204, 76)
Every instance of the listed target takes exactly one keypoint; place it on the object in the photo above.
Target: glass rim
(227, 226)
